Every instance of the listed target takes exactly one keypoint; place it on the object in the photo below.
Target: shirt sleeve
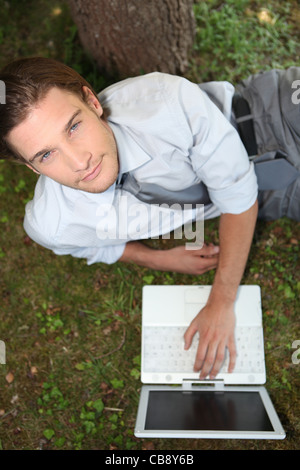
(78, 242)
(108, 254)
(217, 153)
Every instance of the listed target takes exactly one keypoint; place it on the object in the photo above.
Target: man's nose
(77, 158)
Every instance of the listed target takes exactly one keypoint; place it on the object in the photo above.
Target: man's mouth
(93, 174)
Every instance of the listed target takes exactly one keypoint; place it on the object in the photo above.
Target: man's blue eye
(46, 155)
(73, 128)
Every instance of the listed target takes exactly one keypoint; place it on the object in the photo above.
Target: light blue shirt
(168, 132)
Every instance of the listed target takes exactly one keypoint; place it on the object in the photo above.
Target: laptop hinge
(188, 383)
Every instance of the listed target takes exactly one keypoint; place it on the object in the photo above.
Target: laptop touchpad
(194, 301)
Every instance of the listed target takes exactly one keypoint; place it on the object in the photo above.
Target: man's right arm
(177, 259)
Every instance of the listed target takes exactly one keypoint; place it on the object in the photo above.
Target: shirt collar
(131, 155)
(74, 195)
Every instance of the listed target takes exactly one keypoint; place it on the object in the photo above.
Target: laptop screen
(206, 410)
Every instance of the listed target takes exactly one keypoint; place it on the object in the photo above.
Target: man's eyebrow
(66, 128)
(69, 123)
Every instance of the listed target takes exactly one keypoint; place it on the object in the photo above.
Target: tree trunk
(130, 37)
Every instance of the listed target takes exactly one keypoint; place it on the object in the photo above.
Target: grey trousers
(274, 100)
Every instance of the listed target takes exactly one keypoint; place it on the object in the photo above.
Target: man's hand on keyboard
(216, 332)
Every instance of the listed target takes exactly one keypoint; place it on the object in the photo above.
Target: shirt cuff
(107, 255)
(239, 196)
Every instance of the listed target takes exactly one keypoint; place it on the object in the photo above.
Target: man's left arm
(216, 321)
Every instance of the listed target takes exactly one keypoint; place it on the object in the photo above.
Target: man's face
(69, 141)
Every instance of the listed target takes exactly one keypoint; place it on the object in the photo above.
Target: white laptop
(175, 403)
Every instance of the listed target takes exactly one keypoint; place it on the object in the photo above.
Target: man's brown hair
(27, 81)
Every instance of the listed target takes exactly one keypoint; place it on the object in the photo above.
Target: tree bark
(130, 37)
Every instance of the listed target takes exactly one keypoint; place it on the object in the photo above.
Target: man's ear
(92, 100)
(32, 168)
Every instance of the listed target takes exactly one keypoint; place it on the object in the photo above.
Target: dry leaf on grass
(9, 377)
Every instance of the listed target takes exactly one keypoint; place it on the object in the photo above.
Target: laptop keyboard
(164, 350)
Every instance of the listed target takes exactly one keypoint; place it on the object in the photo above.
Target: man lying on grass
(145, 144)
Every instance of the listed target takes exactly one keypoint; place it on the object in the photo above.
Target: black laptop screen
(207, 411)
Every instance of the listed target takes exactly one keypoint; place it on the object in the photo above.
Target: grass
(239, 37)
(72, 331)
